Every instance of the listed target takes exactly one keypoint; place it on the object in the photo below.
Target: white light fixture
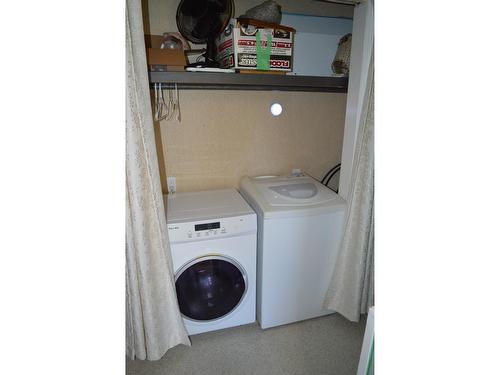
(276, 109)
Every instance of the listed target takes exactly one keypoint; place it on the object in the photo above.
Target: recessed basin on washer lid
(303, 190)
(298, 193)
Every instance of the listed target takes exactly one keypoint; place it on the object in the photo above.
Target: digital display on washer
(207, 226)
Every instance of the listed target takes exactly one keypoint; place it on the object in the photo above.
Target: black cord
(333, 174)
(330, 171)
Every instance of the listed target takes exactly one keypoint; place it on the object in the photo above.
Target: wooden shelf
(236, 81)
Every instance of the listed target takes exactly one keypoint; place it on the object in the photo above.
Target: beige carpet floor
(326, 345)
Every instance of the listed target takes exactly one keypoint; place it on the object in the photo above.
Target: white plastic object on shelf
(210, 70)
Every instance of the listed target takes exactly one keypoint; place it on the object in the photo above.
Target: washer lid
(298, 192)
(290, 196)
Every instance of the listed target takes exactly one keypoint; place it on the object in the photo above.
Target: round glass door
(209, 288)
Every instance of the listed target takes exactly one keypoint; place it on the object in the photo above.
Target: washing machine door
(210, 288)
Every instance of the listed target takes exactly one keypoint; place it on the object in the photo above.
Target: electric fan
(201, 21)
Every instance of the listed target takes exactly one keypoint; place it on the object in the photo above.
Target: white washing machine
(300, 227)
(213, 243)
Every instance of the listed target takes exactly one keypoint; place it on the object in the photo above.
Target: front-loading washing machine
(300, 228)
(213, 243)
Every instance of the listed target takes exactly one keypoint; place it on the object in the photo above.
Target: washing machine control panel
(208, 229)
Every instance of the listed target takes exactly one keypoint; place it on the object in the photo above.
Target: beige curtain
(351, 291)
(153, 320)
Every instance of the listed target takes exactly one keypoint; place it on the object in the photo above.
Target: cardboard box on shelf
(163, 59)
(248, 44)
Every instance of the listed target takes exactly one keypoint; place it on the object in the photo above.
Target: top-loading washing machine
(213, 243)
(300, 227)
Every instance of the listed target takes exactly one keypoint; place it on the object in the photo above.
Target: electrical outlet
(171, 183)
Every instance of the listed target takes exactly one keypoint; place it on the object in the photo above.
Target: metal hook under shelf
(166, 85)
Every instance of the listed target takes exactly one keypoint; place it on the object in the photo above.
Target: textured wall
(225, 135)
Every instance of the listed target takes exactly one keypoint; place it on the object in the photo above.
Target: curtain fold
(351, 290)
(153, 320)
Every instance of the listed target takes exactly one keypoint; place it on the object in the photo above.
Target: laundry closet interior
(252, 166)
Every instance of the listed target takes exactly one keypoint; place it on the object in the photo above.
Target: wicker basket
(340, 64)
